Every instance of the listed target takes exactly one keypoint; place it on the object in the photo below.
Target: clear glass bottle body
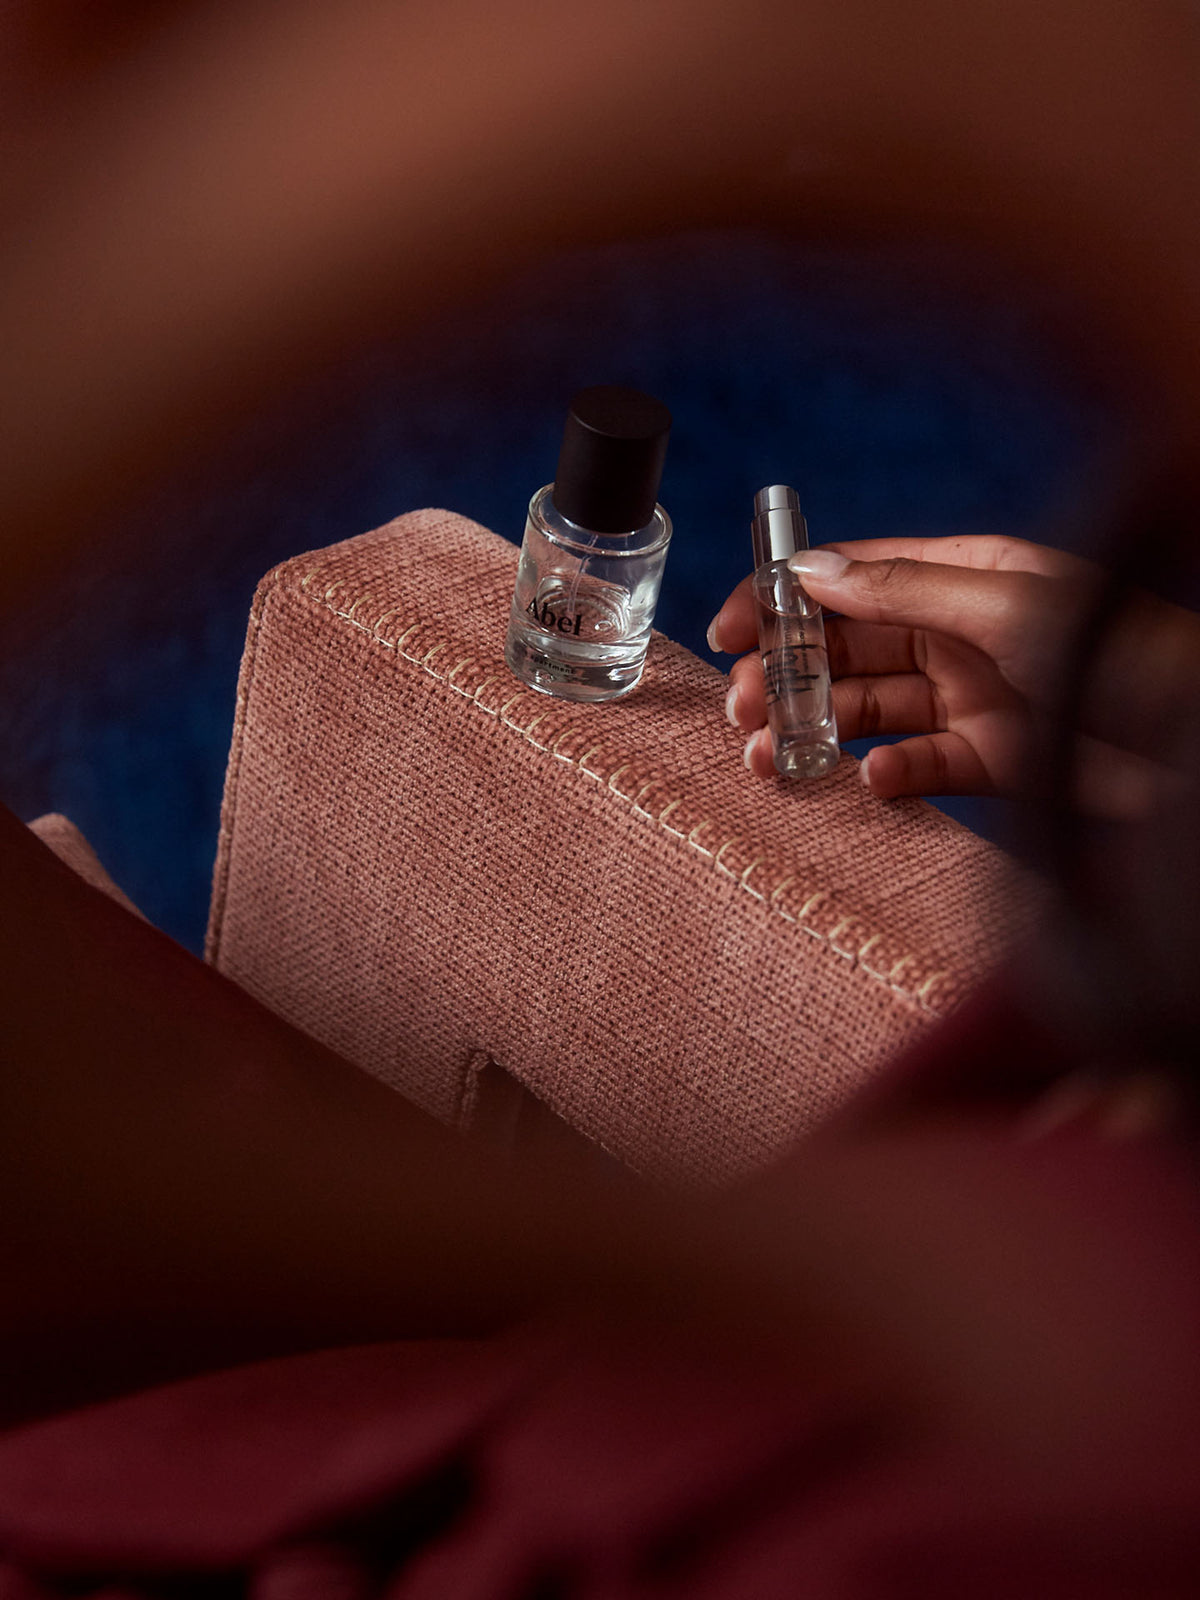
(791, 636)
(584, 603)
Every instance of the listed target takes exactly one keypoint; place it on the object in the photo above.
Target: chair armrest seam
(221, 868)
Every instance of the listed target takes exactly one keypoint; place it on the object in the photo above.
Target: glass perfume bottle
(791, 636)
(594, 551)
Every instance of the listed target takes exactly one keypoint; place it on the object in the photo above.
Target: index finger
(734, 630)
(983, 552)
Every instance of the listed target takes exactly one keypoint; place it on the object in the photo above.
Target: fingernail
(731, 700)
(748, 751)
(863, 772)
(824, 565)
(711, 635)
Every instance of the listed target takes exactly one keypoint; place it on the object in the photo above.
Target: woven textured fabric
(428, 866)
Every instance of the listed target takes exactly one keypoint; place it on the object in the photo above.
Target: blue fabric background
(897, 395)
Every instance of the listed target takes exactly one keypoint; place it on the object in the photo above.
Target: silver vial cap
(779, 528)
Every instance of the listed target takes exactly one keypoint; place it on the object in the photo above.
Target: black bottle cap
(611, 461)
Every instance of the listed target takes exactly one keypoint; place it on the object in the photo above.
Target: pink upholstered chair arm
(447, 877)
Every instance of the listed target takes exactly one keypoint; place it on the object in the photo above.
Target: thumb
(1012, 616)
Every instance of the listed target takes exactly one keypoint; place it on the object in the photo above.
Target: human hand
(956, 641)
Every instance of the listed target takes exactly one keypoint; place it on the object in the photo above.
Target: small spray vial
(791, 636)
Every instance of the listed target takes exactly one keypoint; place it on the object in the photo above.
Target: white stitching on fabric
(918, 997)
(744, 880)
(777, 891)
(377, 625)
(720, 865)
(702, 849)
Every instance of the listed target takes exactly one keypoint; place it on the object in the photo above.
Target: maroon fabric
(61, 835)
(571, 1460)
